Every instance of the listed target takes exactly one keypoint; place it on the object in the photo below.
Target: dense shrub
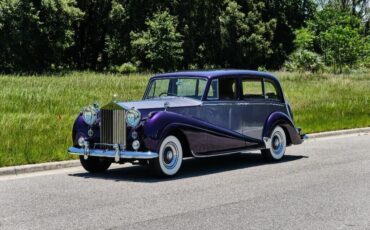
(304, 60)
(125, 68)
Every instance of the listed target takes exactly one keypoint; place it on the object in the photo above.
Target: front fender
(80, 129)
(279, 118)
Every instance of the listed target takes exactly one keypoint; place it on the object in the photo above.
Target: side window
(159, 87)
(186, 87)
(223, 89)
(270, 91)
(252, 89)
(227, 89)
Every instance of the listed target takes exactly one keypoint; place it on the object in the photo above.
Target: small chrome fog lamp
(136, 145)
(81, 142)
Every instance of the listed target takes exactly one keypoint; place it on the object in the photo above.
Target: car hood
(158, 103)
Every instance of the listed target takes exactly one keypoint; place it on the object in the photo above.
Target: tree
(304, 39)
(117, 40)
(289, 15)
(342, 46)
(303, 58)
(89, 35)
(359, 8)
(246, 38)
(34, 35)
(337, 36)
(160, 46)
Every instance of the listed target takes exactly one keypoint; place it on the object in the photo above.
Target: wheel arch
(281, 119)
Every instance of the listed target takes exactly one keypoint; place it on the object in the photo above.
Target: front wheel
(278, 145)
(170, 157)
(95, 164)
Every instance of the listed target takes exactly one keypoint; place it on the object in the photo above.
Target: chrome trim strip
(122, 154)
(225, 153)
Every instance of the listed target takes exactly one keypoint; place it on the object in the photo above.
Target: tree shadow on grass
(190, 168)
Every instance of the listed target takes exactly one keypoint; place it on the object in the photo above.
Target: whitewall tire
(170, 157)
(278, 145)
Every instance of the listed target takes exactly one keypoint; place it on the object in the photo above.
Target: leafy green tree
(89, 35)
(160, 46)
(117, 40)
(303, 58)
(35, 34)
(289, 15)
(304, 38)
(246, 38)
(199, 24)
(342, 46)
(339, 37)
(336, 35)
(359, 8)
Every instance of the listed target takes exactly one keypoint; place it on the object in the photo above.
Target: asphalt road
(322, 184)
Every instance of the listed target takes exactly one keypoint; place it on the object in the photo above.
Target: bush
(125, 68)
(304, 60)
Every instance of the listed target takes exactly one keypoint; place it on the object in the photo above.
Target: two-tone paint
(207, 127)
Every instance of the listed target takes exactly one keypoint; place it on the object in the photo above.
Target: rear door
(260, 97)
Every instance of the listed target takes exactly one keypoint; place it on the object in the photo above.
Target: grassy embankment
(37, 112)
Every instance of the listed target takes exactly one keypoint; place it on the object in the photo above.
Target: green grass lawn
(37, 112)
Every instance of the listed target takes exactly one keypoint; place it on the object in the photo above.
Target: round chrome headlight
(90, 115)
(133, 117)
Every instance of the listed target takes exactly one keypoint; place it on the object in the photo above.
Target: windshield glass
(179, 87)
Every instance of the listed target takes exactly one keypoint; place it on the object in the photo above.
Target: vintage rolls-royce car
(188, 114)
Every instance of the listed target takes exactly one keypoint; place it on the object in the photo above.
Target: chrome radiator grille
(113, 127)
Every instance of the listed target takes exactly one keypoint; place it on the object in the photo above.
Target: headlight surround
(133, 118)
(90, 114)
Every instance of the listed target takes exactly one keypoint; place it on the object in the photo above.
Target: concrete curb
(14, 170)
(339, 132)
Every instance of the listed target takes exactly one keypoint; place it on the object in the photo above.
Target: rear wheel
(95, 164)
(278, 145)
(170, 157)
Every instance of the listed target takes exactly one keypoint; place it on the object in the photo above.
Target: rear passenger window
(270, 91)
(227, 89)
(252, 89)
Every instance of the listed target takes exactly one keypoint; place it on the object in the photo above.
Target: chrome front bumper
(116, 154)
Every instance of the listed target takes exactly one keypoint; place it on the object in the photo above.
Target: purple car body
(228, 122)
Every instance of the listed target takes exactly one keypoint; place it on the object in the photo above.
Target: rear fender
(283, 120)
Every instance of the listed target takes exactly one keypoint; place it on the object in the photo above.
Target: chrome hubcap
(170, 155)
(276, 142)
(277, 145)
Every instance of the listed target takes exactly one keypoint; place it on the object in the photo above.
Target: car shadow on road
(191, 168)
